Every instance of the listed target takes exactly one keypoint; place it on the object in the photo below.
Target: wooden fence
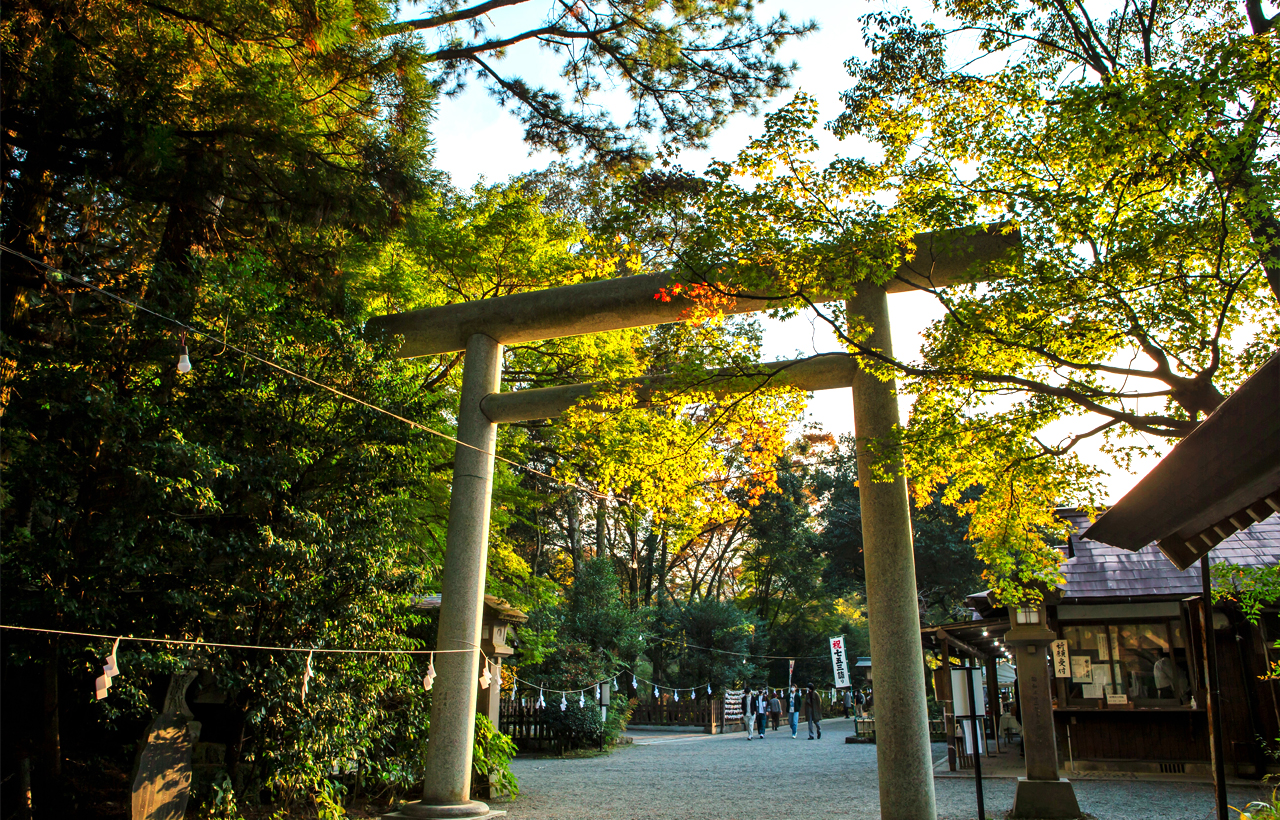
(665, 711)
(527, 725)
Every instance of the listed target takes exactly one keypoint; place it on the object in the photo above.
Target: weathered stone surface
(1045, 800)
(162, 782)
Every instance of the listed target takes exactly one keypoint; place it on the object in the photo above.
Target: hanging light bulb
(184, 361)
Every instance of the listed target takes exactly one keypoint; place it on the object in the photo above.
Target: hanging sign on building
(1061, 660)
(839, 662)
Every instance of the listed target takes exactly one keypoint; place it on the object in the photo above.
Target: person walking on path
(848, 702)
(795, 702)
(748, 710)
(775, 710)
(858, 700)
(762, 710)
(813, 712)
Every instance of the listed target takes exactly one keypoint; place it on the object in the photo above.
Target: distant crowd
(762, 706)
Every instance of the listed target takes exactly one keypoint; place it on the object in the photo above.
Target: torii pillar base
(471, 810)
(1045, 800)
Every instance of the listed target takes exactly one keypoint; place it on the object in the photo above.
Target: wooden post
(993, 697)
(1211, 702)
(946, 698)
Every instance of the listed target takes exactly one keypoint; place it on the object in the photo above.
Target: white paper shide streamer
(564, 703)
(307, 675)
(485, 677)
(582, 699)
(103, 682)
(429, 679)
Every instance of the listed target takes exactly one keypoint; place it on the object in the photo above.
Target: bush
(492, 757)
(578, 726)
(620, 709)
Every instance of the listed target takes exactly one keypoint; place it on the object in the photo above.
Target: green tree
(684, 67)
(947, 568)
(1135, 156)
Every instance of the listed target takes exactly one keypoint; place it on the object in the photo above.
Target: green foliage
(1251, 589)
(947, 568)
(578, 726)
(684, 66)
(492, 758)
(594, 614)
(617, 718)
(719, 626)
(1139, 172)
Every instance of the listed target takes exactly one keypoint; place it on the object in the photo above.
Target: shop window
(1145, 662)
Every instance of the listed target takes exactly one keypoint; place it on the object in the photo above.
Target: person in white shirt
(762, 710)
(795, 702)
(748, 710)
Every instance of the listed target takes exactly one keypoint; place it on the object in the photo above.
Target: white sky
(476, 139)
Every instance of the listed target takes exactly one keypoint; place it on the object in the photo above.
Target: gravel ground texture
(670, 776)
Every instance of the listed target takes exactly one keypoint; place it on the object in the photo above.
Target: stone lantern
(1041, 793)
(497, 633)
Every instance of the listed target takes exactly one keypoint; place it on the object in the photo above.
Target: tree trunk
(575, 535)
(633, 568)
(601, 523)
(48, 773)
(650, 548)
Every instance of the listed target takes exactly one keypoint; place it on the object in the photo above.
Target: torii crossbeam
(482, 327)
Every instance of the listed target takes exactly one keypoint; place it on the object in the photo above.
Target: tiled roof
(1098, 570)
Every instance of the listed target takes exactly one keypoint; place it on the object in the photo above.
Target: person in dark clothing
(775, 710)
(813, 712)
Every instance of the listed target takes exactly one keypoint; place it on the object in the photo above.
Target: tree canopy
(1135, 155)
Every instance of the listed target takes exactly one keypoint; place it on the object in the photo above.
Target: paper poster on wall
(1101, 678)
(1081, 669)
(1103, 653)
(1117, 700)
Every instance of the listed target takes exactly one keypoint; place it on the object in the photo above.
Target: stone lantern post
(1041, 794)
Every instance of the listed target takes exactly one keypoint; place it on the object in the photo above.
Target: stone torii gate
(482, 327)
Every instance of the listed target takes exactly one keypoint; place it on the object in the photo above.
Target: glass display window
(1146, 662)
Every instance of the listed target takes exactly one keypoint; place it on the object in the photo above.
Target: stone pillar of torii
(482, 327)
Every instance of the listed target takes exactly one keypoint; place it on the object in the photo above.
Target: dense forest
(247, 183)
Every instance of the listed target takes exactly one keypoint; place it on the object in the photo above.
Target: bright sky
(476, 139)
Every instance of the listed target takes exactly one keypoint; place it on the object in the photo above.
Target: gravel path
(667, 776)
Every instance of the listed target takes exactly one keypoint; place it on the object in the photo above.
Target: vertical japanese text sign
(1061, 660)
(839, 662)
